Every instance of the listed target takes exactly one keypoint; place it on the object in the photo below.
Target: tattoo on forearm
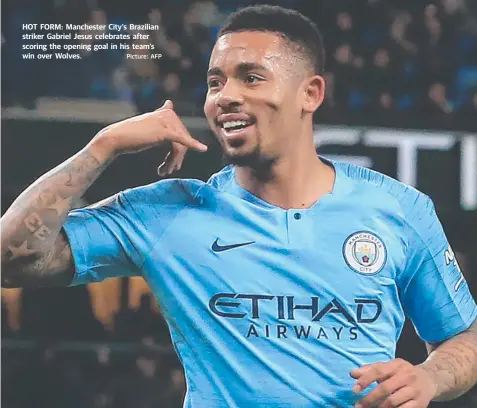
(454, 364)
(39, 213)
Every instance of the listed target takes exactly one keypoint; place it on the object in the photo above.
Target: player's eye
(213, 83)
(252, 79)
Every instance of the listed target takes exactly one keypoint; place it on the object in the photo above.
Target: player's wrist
(102, 147)
(432, 376)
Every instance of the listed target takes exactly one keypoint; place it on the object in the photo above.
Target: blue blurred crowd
(383, 56)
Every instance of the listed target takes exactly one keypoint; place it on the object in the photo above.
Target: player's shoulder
(385, 191)
(178, 192)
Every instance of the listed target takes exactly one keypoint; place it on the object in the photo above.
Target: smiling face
(258, 90)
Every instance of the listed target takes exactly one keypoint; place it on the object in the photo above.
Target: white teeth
(234, 123)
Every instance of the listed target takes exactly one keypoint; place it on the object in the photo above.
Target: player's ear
(314, 93)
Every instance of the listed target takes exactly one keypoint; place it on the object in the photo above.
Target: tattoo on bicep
(33, 221)
(61, 260)
(61, 205)
(42, 233)
(34, 224)
(21, 250)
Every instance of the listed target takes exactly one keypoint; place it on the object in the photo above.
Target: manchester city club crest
(365, 253)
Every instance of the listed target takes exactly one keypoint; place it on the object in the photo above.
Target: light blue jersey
(270, 307)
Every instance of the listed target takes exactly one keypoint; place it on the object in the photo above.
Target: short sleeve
(434, 293)
(104, 241)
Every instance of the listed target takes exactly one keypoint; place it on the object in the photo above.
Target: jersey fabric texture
(270, 307)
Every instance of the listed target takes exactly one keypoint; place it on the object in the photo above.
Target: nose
(229, 95)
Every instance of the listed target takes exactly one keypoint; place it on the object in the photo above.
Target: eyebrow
(240, 68)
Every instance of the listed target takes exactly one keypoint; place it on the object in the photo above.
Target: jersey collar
(341, 186)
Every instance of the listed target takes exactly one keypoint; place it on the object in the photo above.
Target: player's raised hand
(148, 130)
(175, 157)
(400, 384)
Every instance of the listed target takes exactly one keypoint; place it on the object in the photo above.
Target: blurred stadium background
(402, 98)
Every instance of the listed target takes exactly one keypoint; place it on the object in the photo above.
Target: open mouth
(236, 125)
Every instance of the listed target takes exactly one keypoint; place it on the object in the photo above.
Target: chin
(250, 158)
(240, 155)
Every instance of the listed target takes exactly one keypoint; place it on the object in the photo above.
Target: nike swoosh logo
(219, 248)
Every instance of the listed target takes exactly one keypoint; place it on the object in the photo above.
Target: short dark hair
(299, 31)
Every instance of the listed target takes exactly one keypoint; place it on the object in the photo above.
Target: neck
(296, 180)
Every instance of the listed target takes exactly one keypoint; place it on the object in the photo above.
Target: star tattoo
(61, 205)
(22, 250)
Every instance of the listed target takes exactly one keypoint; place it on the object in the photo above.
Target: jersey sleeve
(104, 240)
(434, 293)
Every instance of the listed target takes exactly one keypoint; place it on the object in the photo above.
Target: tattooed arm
(35, 250)
(453, 364)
